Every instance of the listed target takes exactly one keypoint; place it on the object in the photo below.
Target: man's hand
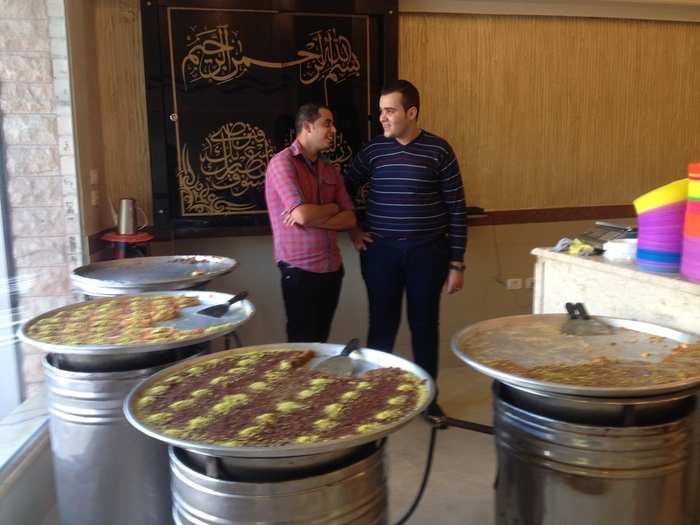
(454, 281)
(360, 238)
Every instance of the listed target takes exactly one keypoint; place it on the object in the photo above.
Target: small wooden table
(134, 245)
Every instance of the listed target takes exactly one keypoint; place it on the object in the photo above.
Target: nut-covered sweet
(268, 398)
(119, 321)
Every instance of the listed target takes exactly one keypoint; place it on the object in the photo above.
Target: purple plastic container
(668, 214)
(660, 238)
(661, 246)
(690, 261)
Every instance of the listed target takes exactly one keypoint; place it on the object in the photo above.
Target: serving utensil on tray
(341, 364)
(581, 324)
(218, 310)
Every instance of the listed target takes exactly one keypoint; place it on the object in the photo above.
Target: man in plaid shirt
(308, 205)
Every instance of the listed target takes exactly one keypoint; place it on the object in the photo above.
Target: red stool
(126, 246)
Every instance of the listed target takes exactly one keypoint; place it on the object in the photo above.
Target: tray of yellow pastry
(268, 401)
(137, 324)
(630, 359)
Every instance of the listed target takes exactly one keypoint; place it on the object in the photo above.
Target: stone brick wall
(37, 135)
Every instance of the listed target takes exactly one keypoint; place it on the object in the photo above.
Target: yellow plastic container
(671, 193)
(694, 189)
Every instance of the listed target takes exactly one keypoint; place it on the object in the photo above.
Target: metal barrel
(106, 471)
(351, 492)
(695, 461)
(554, 469)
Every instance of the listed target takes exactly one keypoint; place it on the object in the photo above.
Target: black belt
(398, 237)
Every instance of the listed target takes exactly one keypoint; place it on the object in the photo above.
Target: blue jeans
(390, 266)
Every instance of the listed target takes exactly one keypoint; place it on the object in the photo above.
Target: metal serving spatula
(341, 364)
(581, 324)
(220, 309)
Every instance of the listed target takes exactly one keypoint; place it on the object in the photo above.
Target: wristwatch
(456, 267)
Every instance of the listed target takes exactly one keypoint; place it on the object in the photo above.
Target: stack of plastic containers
(690, 263)
(661, 216)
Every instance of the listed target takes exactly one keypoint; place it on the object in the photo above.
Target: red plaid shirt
(290, 182)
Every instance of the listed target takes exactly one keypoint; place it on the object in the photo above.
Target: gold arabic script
(234, 157)
(217, 55)
(197, 199)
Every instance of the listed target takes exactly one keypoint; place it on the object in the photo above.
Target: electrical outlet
(529, 282)
(514, 284)
(93, 177)
(94, 197)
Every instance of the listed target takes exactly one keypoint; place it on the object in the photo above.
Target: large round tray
(496, 334)
(143, 274)
(364, 359)
(238, 314)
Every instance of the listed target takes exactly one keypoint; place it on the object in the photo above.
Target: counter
(615, 289)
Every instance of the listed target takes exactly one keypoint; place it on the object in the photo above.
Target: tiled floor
(459, 490)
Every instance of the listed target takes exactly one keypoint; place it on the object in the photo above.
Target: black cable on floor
(440, 423)
(426, 475)
(467, 425)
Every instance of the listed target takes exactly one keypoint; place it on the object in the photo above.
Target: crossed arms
(324, 216)
(336, 215)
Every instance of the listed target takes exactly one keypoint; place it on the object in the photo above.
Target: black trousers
(418, 267)
(310, 300)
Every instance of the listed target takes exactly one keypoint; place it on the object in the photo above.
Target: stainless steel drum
(335, 482)
(556, 465)
(106, 472)
(146, 274)
(349, 492)
(695, 459)
(585, 449)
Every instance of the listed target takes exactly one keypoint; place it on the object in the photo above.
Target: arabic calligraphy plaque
(238, 78)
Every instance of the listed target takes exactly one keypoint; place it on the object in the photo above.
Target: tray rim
(139, 348)
(85, 283)
(577, 390)
(322, 350)
(106, 292)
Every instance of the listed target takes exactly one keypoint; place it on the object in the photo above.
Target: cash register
(603, 232)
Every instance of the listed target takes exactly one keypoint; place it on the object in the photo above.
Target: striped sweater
(414, 190)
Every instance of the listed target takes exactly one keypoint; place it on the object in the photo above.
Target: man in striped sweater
(415, 230)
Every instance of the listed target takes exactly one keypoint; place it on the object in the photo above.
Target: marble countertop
(626, 270)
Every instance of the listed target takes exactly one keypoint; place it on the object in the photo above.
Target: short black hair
(409, 94)
(309, 112)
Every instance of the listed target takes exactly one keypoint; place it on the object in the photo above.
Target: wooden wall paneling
(552, 112)
(123, 102)
(677, 10)
(87, 122)
(542, 112)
